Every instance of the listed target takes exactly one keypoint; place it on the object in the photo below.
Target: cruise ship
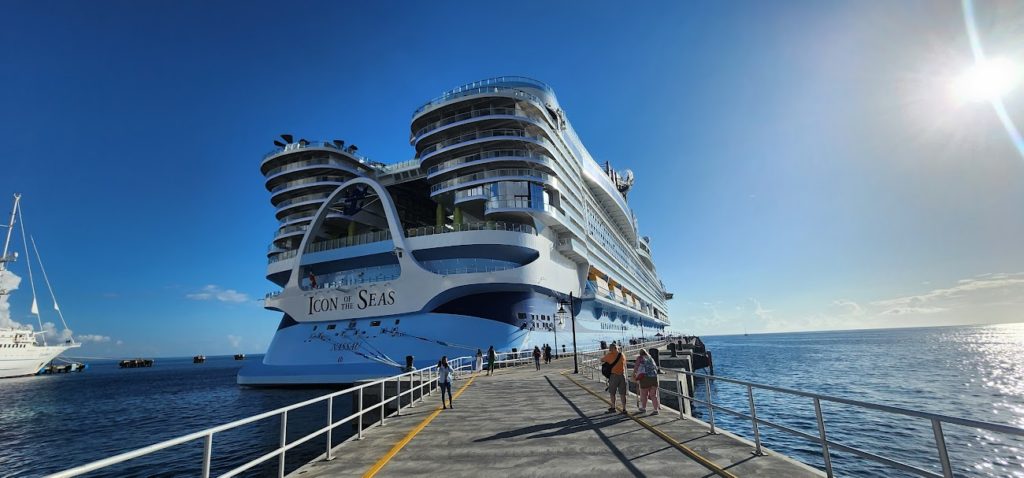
(480, 240)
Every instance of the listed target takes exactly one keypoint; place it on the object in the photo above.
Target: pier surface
(523, 422)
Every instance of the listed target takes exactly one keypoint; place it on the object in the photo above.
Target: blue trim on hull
(357, 349)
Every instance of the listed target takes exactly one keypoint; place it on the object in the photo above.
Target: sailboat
(24, 351)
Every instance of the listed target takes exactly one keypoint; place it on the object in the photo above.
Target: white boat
(23, 351)
(502, 231)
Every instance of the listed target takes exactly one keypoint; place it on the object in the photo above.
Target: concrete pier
(523, 422)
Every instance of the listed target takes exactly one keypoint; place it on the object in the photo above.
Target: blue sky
(800, 165)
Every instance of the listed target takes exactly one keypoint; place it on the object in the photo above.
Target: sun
(988, 80)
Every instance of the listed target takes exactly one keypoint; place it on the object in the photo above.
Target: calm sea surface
(55, 422)
(974, 372)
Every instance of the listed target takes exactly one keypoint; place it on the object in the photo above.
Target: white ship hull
(17, 362)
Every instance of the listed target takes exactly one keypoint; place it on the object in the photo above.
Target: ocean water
(974, 372)
(51, 423)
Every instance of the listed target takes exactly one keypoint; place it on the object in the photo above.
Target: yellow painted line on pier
(718, 470)
(412, 434)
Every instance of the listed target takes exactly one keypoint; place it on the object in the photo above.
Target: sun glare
(988, 80)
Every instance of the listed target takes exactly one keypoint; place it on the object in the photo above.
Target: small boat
(199, 359)
(239, 356)
(136, 363)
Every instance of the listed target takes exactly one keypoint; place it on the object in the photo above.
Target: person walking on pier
(547, 353)
(479, 365)
(536, 357)
(646, 373)
(445, 376)
(491, 358)
(615, 364)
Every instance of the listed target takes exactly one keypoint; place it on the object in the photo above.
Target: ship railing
(490, 85)
(379, 236)
(684, 381)
(409, 389)
(320, 144)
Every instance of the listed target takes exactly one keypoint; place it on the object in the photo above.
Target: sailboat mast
(10, 229)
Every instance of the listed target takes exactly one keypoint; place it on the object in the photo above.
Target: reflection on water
(974, 372)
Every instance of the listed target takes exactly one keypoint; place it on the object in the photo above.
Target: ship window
(375, 323)
(522, 316)
(332, 326)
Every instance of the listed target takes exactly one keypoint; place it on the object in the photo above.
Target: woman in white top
(445, 376)
(479, 360)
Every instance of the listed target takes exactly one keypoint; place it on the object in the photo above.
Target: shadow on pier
(523, 422)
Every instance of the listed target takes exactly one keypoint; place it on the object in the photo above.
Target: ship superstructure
(475, 242)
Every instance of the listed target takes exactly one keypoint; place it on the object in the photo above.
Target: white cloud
(848, 307)
(9, 282)
(51, 334)
(764, 315)
(93, 338)
(235, 341)
(965, 290)
(120, 342)
(216, 292)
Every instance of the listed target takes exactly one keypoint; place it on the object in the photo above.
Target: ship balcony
(309, 201)
(573, 249)
(489, 157)
(300, 186)
(507, 113)
(312, 167)
(490, 176)
(516, 135)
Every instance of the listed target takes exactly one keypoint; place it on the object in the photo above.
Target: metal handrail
(459, 365)
(822, 439)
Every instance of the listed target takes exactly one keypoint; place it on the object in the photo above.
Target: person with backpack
(445, 377)
(536, 357)
(613, 367)
(646, 373)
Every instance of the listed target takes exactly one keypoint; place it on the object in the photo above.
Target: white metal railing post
(711, 407)
(822, 435)
(284, 441)
(682, 398)
(753, 421)
(207, 455)
(398, 395)
(330, 428)
(382, 389)
(940, 444)
(359, 425)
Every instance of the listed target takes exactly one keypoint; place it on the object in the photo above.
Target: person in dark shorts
(617, 379)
